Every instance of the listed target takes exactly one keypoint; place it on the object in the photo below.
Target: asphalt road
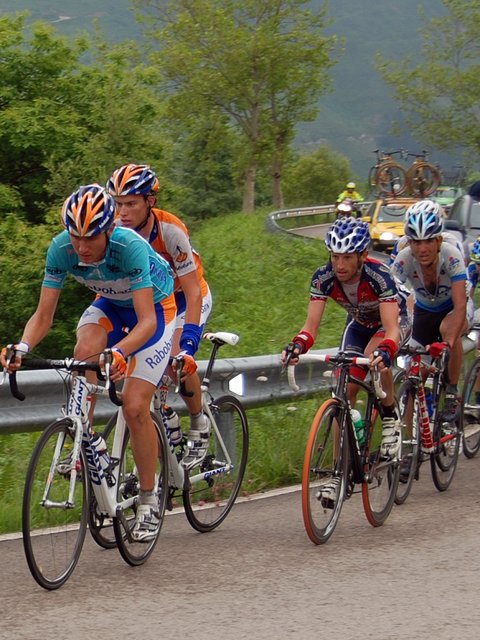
(258, 576)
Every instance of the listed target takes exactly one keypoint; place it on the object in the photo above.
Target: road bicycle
(388, 175)
(69, 487)
(422, 176)
(208, 492)
(470, 409)
(426, 436)
(336, 455)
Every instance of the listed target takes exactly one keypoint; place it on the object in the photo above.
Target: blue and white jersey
(450, 269)
(129, 264)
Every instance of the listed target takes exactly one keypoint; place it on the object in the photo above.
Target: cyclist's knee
(91, 341)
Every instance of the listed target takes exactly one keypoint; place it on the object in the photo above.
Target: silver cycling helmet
(348, 235)
(424, 220)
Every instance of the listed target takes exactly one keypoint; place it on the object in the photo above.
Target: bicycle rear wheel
(410, 418)
(470, 411)
(211, 496)
(133, 552)
(99, 524)
(422, 179)
(53, 523)
(390, 178)
(325, 465)
(446, 438)
(381, 475)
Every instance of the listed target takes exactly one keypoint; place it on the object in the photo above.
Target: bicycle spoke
(54, 525)
(324, 474)
(133, 552)
(215, 483)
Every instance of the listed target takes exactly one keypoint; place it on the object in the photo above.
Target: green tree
(261, 64)
(70, 112)
(316, 178)
(440, 96)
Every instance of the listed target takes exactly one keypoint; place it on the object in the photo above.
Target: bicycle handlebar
(68, 364)
(341, 359)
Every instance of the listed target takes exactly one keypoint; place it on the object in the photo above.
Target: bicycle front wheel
(215, 484)
(381, 475)
(54, 512)
(324, 474)
(409, 408)
(446, 439)
(470, 411)
(133, 552)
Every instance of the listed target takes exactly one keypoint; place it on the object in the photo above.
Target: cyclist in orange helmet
(134, 188)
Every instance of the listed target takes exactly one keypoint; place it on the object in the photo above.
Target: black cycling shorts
(426, 325)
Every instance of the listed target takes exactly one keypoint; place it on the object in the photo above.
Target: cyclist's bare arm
(389, 315)
(193, 296)
(456, 324)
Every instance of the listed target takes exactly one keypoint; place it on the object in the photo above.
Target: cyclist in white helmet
(435, 270)
(365, 288)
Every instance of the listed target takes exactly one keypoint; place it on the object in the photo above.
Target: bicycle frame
(416, 371)
(104, 485)
(373, 390)
(176, 471)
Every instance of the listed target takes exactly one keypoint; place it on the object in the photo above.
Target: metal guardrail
(322, 210)
(257, 381)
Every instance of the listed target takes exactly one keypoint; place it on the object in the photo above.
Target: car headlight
(388, 236)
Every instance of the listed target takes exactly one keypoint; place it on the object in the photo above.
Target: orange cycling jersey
(170, 239)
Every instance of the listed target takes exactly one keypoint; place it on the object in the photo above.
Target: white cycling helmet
(348, 235)
(423, 220)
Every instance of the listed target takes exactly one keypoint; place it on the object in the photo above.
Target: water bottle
(174, 428)
(429, 401)
(98, 443)
(359, 425)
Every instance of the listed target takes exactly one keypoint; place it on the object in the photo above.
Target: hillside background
(355, 117)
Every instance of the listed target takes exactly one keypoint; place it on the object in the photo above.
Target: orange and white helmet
(88, 211)
(133, 180)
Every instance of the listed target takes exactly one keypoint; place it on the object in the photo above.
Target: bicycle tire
(53, 536)
(208, 502)
(380, 475)
(390, 178)
(446, 438)
(409, 408)
(470, 412)
(326, 457)
(136, 553)
(100, 525)
(430, 179)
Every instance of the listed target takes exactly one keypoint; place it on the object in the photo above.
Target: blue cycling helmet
(348, 235)
(88, 211)
(133, 180)
(423, 220)
(475, 251)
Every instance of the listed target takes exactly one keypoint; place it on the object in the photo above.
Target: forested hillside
(355, 117)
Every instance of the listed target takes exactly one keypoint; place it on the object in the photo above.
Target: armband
(190, 338)
(22, 347)
(304, 340)
(390, 346)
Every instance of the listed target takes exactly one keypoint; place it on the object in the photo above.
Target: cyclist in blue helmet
(435, 272)
(365, 288)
